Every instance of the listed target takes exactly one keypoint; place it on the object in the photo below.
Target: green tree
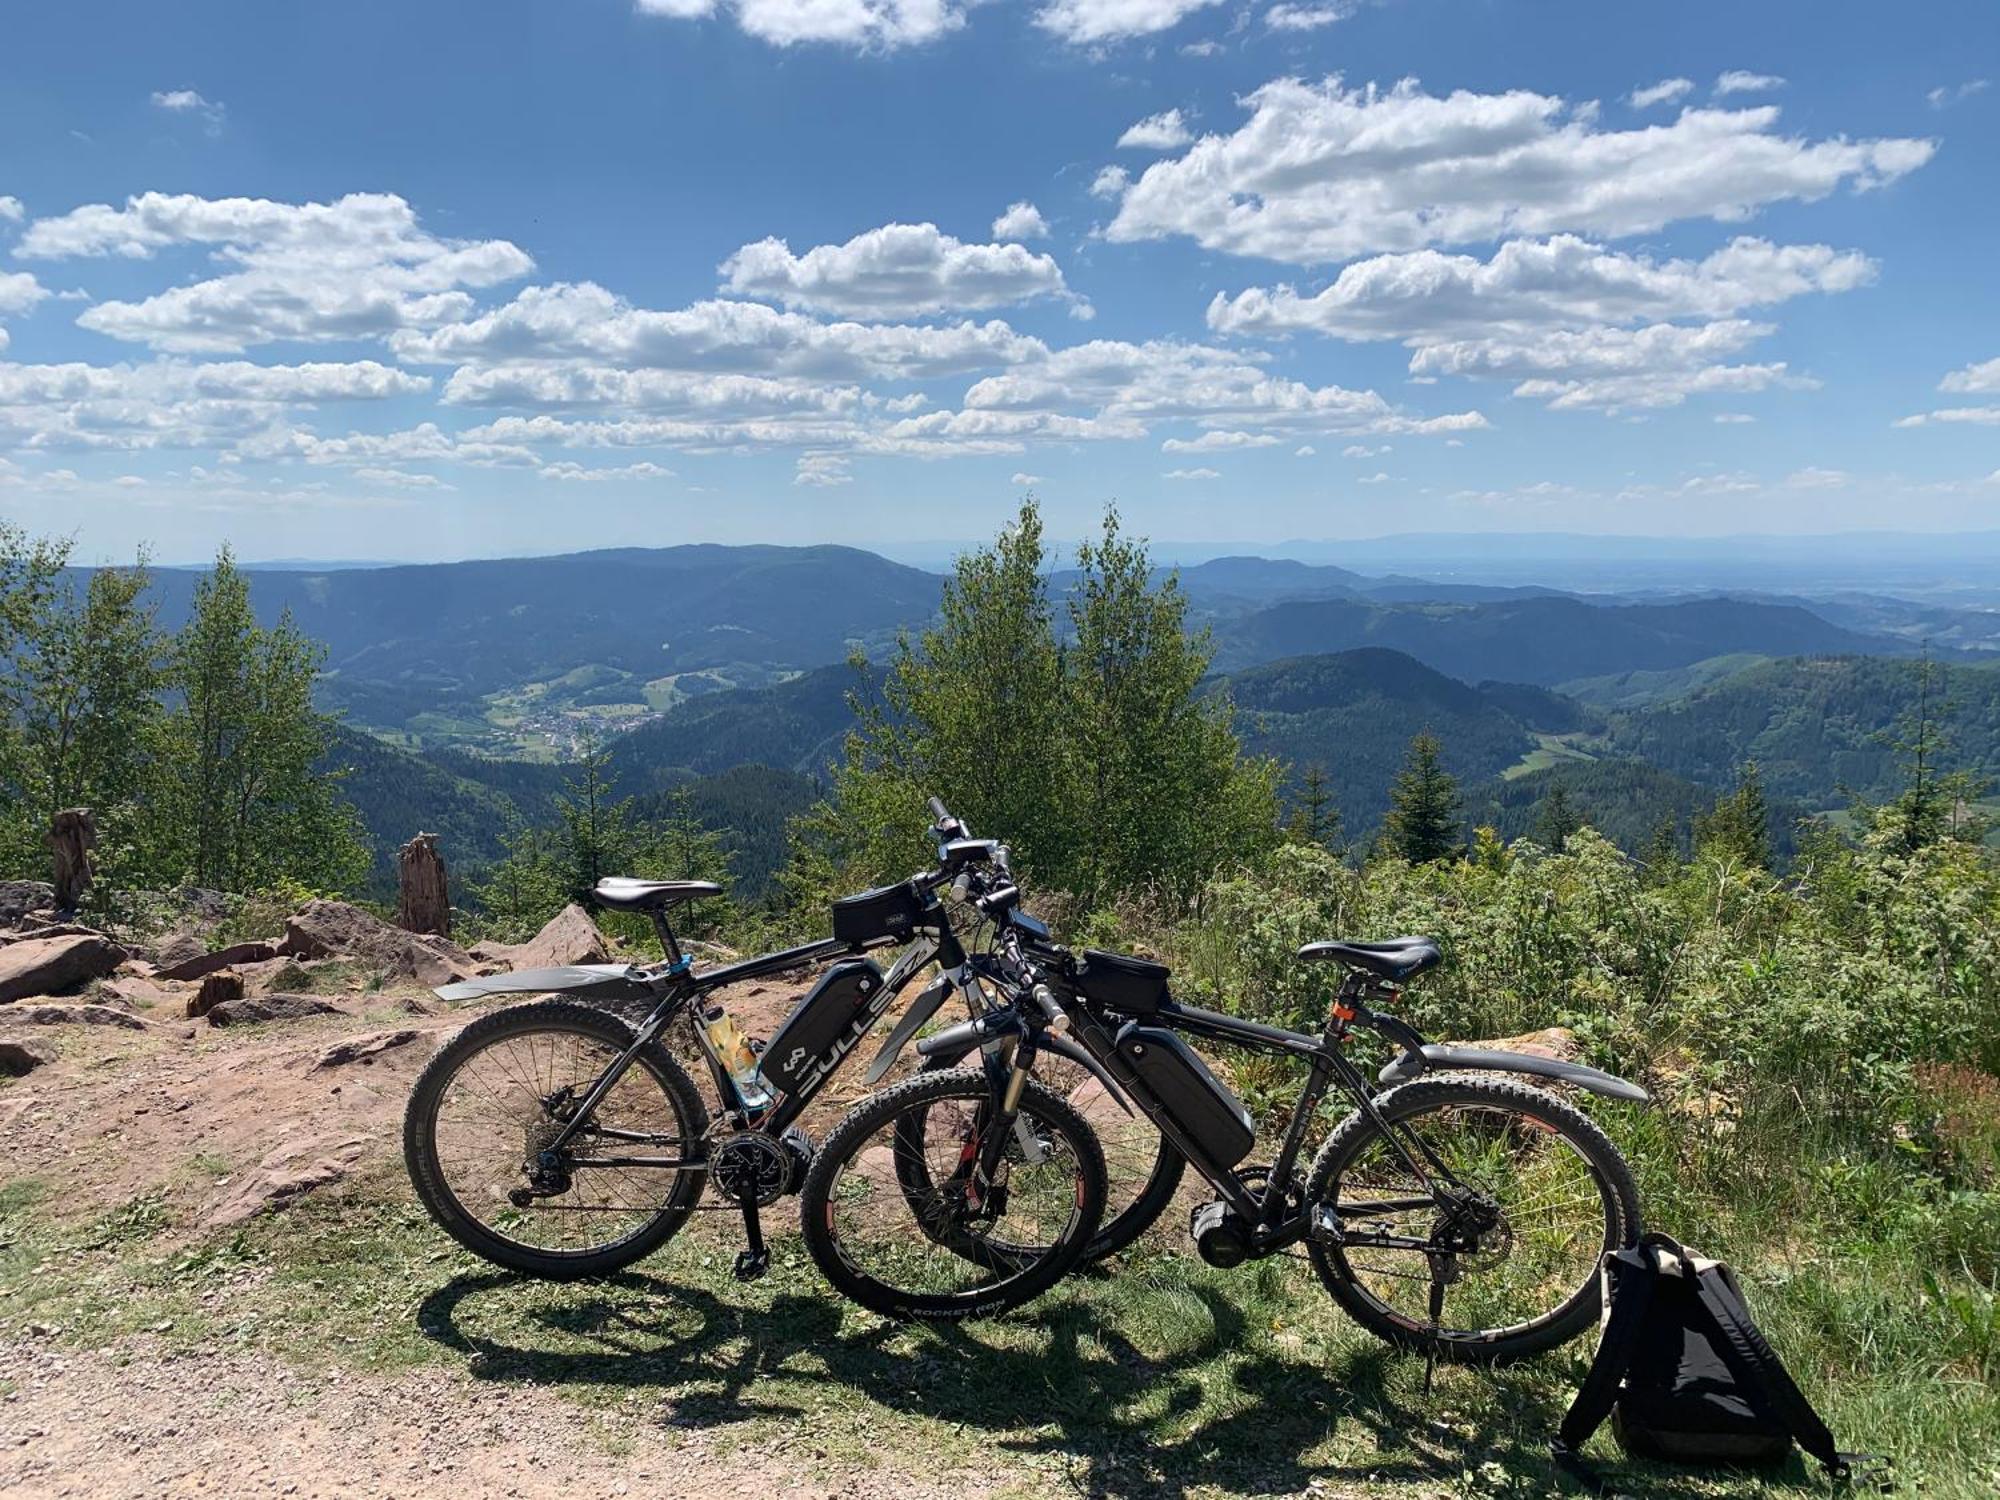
(1157, 792)
(1663, 850)
(243, 803)
(1557, 820)
(1423, 822)
(1315, 815)
(1933, 802)
(30, 571)
(1739, 825)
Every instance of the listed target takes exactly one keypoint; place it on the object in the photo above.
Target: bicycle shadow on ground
(1078, 1395)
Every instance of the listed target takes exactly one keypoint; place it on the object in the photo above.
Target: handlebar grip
(957, 1038)
(1058, 1017)
(938, 809)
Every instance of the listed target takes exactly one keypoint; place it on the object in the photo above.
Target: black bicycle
(558, 1139)
(1485, 1192)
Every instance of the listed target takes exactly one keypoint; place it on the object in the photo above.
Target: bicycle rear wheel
(1546, 1195)
(896, 1216)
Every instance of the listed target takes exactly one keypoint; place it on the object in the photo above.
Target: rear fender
(592, 981)
(1488, 1060)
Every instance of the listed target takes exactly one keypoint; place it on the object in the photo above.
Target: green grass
(1550, 750)
(1160, 1376)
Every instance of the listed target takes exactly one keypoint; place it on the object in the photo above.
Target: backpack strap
(1599, 1391)
(1756, 1365)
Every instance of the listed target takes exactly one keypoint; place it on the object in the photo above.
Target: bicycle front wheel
(1518, 1197)
(898, 1217)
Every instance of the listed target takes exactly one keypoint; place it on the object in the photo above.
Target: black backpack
(1684, 1374)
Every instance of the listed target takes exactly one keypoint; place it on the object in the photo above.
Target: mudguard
(921, 1010)
(592, 981)
(1486, 1059)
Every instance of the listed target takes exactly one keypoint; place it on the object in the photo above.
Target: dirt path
(239, 1425)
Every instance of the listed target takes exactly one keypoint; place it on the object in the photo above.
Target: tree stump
(423, 901)
(222, 985)
(72, 835)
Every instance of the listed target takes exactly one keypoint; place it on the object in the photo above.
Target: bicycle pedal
(752, 1264)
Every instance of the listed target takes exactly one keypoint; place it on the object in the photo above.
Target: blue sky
(421, 280)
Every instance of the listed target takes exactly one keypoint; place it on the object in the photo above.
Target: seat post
(668, 944)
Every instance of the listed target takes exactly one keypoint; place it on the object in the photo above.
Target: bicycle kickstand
(1438, 1284)
(755, 1259)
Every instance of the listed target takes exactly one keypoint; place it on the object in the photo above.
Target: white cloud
(1110, 182)
(10, 209)
(1737, 81)
(1165, 131)
(1733, 418)
(1818, 479)
(1564, 281)
(1362, 450)
(1378, 477)
(583, 322)
(896, 271)
(1977, 416)
(1206, 47)
(359, 267)
(1192, 474)
(1666, 91)
(1979, 379)
(1290, 17)
(727, 396)
(1325, 173)
(1304, 450)
(1021, 221)
(1944, 96)
(1220, 439)
(19, 293)
(871, 25)
(400, 479)
(822, 469)
(187, 102)
(575, 473)
(1662, 387)
(1027, 480)
(1088, 21)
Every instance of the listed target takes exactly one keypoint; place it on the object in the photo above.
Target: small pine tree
(1739, 825)
(1663, 850)
(1557, 820)
(1315, 816)
(1423, 817)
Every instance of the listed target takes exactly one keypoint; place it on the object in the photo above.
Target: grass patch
(1158, 1376)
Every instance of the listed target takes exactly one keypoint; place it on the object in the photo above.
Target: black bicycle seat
(1399, 958)
(624, 893)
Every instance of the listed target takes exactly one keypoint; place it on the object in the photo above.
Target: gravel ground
(130, 1425)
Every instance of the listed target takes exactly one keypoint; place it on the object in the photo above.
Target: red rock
(49, 966)
(334, 929)
(363, 1049)
(221, 958)
(75, 1015)
(569, 937)
(255, 1008)
(20, 1056)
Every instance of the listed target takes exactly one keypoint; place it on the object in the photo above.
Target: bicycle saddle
(624, 893)
(1399, 958)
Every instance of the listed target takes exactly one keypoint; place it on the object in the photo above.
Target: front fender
(589, 981)
(1489, 1060)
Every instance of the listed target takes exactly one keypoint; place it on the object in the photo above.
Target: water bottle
(733, 1050)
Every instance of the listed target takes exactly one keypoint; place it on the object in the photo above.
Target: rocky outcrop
(177, 948)
(74, 1015)
(20, 1056)
(51, 966)
(570, 937)
(363, 1049)
(20, 897)
(222, 958)
(255, 1008)
(301, 1165)
(334, 929)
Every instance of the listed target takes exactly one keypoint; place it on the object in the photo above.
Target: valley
(466, 689)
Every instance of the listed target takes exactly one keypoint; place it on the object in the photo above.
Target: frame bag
(1684, 1374)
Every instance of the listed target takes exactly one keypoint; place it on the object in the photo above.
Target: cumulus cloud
(822, 469)
(872, 25)
(1090, 21)
(187, 102)
(1290, 17)
(896, 271)
(1026, 479)
(575, 473)
(1666, 91)
(1978, 416)
(19, 293)
(1322, 172)
(1192, 474)
(1021, 221)
(1737, 81)
(1944, 96)
(359, 267)
(11, 211)
(1165, 131)
(1219, 439)
(1979, 379)
(1110, 182)
(584, 322)
(1564, 281)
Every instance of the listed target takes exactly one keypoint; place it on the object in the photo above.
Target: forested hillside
(1819, 728)
(1539, 640)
